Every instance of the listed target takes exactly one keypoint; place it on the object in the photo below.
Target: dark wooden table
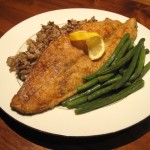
(14, 136)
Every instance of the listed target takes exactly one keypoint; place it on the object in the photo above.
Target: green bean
(64, 103)
(94, 81)
(120, 63)
(73, 102)
(87, 85)
(104, 78)
(89, 91)
(112, 80)
(81, 97)
(95, 93)
(122, 70)
(122, 51)
(91, 76)
(132, 65)
(117, 49)
(125, 77)
(127, 84)
(76, 102)
(100, 92)
(110, 60)
(139, 66)
(147, 51)
(131, 45)
(98, 103)
(144, 71)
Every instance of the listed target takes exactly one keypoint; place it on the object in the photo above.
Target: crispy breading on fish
(62, 66)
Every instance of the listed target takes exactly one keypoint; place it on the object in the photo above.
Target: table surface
(14, 136)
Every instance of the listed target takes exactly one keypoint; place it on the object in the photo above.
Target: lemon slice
(96, 47)
(94, 42)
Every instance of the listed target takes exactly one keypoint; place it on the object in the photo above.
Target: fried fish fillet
(62, 66)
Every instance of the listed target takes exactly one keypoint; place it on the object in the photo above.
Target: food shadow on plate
(106, 142)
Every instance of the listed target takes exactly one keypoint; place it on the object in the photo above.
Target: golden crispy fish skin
(61, 67)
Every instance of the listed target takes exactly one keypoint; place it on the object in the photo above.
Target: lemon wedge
(94, 42)
(96, 47)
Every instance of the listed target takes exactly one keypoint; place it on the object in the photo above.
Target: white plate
(59, 121)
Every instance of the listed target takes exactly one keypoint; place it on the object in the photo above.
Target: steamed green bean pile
(120, 76)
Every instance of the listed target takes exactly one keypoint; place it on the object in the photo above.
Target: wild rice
(23, 62)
